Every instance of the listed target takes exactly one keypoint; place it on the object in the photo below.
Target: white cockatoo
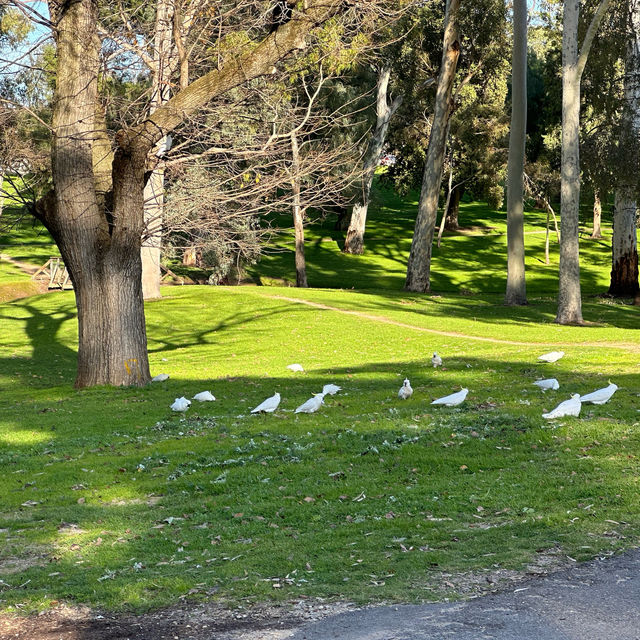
(600, 396)
(552, 356)
(405, 390)
(269, 405)
(161, 377)
(452, 400)
(436, 360)
(312, 404)
(295, 367)
(570, 407)
(548, 383)
(181, 404)
(330, 389)
(204, 396)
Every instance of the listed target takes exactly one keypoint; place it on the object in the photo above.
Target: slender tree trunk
(573, 62)
(354, 242)
(624, 244)
(1, 193)
(419, 266)
(516, 293)
(597, 215)
(298, 216)
(151, 250)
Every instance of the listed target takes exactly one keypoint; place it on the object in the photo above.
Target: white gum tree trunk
(624, 247)
(354, 242)
(516, 293)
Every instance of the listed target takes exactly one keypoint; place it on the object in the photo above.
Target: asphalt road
(599, 600)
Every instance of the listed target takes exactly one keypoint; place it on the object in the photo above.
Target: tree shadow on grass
(207, 504)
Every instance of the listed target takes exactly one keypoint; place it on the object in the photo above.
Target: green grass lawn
(111, 499)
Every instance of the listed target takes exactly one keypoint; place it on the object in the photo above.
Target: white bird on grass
(600, 396)
(549, 383)
(330, 389)
(269, 405)
(405, 390)
(569, 407)
(552, 356)
(204, 396)
(312, 404)
(452, 400)
(436, 360)
(181, 404)
(161, 377)
(295, 367)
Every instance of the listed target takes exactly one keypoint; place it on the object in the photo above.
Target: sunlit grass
(110, 499)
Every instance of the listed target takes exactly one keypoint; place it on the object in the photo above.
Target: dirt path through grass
(625, 346)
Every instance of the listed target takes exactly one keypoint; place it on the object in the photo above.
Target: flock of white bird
(570, 407)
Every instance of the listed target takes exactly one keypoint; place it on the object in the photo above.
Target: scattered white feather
(161, 377)
(569, 407)
(181, 404)
(295, 367)
(552, 356)
(600, 396)
(436, 360)
(269, 405)
(452, 400)
(204, 396)
(330, 389)
(405, 390)
(548, 383)
(312, 404)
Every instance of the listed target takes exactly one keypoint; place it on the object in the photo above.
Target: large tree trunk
(624, 247)
(516, 293)
(101, 245)
(573, 62)
(419, 266)
(298, 216)
(102, 256)
(354, 242)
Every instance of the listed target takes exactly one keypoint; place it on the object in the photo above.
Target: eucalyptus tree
(95, 211)
(516, 284)
(574, 59)
(624, 267)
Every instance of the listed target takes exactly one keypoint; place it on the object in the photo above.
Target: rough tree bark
(95, 210)
(354, 242)
(624, 244)
(451, 222)
(419, 266)
(573, 63)
(298, 214)
(516, 293)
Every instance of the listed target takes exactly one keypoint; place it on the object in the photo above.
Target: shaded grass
(110, 499)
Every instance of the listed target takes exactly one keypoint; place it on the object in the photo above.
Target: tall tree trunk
(1, 193)
(101, 254)
(101, 247)
(624, 244)
(298, 215)
(516, 293)
(597, 215)
(151, 249)
(419, 266)
(573, 62)
(354, 242)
